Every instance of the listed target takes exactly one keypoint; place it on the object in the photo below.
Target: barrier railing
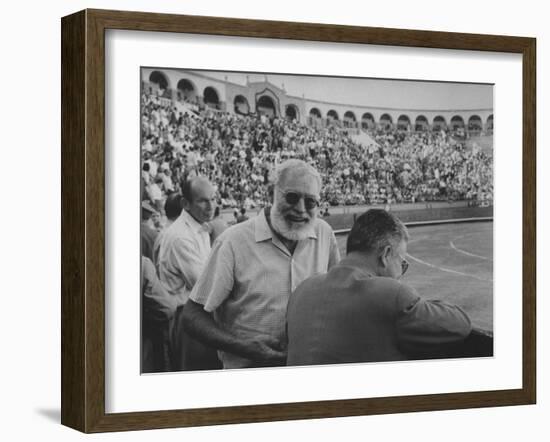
(431, 222)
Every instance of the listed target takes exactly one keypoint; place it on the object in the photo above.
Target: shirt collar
(191, 222)
(263, 232)
(313, 232)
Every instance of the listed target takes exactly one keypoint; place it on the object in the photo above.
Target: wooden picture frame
(83, 220)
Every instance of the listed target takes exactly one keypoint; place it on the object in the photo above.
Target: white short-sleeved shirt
(183, 251)
(250, 274)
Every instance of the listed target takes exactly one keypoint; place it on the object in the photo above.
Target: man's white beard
(295, 233)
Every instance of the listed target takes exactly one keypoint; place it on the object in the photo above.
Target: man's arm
(429, 328)
(201, 325)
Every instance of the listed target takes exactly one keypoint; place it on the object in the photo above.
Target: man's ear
(385, 256)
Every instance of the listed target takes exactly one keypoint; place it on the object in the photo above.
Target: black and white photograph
(305, 220)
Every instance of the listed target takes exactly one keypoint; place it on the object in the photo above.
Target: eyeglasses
(292, 198)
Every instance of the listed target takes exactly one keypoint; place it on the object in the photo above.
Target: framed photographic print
(224, 180)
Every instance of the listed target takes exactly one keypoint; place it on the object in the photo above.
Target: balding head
(381, 238)
(199, 198)
(191, 185)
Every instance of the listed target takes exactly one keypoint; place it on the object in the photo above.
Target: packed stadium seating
(238, 153)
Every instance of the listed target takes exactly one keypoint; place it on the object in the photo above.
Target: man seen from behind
(361, 311)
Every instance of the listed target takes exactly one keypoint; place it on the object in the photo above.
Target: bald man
(183, 251)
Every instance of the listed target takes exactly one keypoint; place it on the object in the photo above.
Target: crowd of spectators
(238, 152)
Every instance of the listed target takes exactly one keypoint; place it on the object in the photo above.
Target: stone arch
(475, 125)
(333, 114)
(186, 90)
(161, 80)
(386, 121)
(349, 119)
(292, 112)
(315, 113)
(211, 97)
(266, 106)
(457, 122)
(421, 124)
(240, 105)
(439, 123)
(403, 122)
(367, 121)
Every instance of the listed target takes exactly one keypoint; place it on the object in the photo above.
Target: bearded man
(254, 267)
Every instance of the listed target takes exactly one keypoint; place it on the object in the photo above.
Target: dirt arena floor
(452, 262)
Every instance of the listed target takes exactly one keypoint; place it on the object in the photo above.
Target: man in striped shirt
(254, 267)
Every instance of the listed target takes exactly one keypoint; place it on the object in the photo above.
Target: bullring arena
(431, 165)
